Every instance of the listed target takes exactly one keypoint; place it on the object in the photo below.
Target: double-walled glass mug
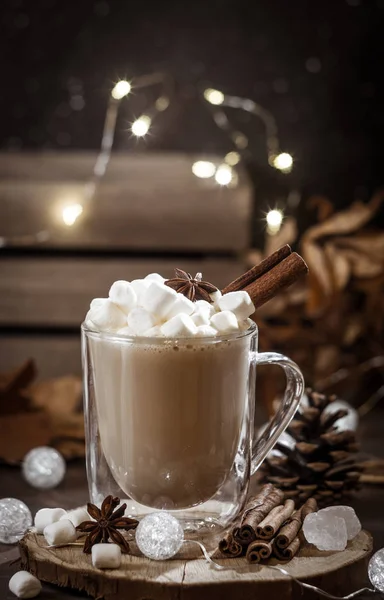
(170, 422)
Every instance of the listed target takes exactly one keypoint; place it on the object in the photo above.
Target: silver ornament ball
(44, 467)
(376, 570)
(159, 536)
(15, 518)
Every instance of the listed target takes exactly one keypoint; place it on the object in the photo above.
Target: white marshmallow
(140, 320)
(62, 532)
(154, 277)
(239, 303)
(123, 295)
(108, 316)
(24, 585)
(206, 331)
(181, 305)
(159, 298)
(200, 317)
(90, 324)
(76, 516)
(205, 306)
(97, 302)
(225, 321)
(106, 556)
(153, 332)
(140, 287)
(47, 516)
(215, 296)
(128, 331)
(179, 326)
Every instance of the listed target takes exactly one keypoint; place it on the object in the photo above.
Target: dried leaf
(60, 395)
(339, 264)
(324, 207)
(346, 221)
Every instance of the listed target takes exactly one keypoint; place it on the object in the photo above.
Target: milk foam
(149, 308)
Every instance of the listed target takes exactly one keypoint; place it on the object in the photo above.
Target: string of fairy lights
(224, 174)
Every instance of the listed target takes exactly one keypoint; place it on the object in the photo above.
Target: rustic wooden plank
(138, 577)
(144, 201)
(55, 356)
(57, 291)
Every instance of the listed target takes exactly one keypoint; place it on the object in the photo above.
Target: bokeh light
(71, 213)
(141, 126)
(121, 89)
(203, 169)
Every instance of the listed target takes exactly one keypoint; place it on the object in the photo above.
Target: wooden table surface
(369, 503)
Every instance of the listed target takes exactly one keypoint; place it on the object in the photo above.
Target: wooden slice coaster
(139, 578)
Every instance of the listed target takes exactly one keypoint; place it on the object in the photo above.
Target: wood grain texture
(57, 291)
(150, 201)
(139, 578)
(55, 356)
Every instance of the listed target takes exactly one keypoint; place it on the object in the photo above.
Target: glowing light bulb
(141, 126)
(71, 213)
(224, 175)
(283, 162)
(214, 96)
(203, 169)
(232, 158)
(274, 220)
(121, 89)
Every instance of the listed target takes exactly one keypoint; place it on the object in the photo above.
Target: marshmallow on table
(61, 532)
(158, 299)
(225, 321)
(239, 303)
(179, 326)
(206, 331)
(106, 556)
(140, 287)
(76, 516)
(47, 516)
(24, 585)
(181, 305)
(140, 320)
(123, 295)
(107, 316)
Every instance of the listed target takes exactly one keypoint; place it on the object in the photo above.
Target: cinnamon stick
(255, 511)
(284, 274)
(259, 550)
(289, 531)
(289, 552)
(268, 528)
(229, 547)
(258, 270)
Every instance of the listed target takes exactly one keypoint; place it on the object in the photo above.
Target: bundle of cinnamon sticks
(278, 271)
(269, 526)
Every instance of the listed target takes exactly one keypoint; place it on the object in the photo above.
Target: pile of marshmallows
(147, 307)
(59, 529)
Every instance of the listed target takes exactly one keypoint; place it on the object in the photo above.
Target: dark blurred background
(317, 66)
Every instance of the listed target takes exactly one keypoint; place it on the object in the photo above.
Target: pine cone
(323, 463)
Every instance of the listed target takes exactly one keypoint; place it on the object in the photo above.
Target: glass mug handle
(293, 393)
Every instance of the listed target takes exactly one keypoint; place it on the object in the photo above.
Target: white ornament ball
(44, 467)
(159, 536)
(376, 570)
(15, 518)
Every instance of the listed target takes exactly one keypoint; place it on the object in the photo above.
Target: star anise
(106, 524)
(192, 287)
